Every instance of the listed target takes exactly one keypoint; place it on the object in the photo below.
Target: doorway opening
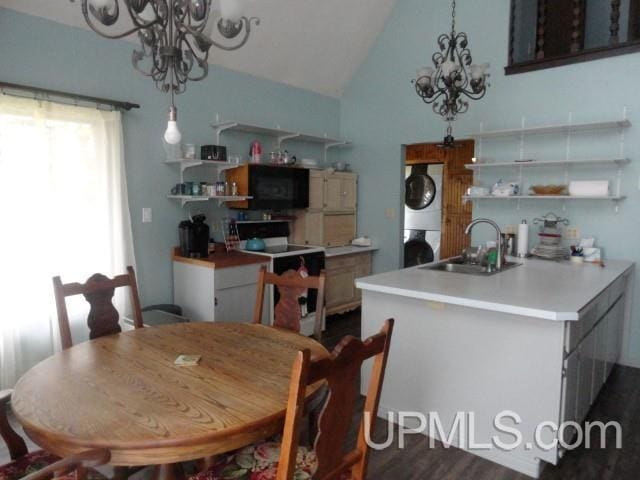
(435, 214)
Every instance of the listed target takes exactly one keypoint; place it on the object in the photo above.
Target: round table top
(123, 392)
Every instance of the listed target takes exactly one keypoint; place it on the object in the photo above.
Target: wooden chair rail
(309, 282)
(340, 371)
(317, 283)
(98, 291)
(75, 288)
(77, 462)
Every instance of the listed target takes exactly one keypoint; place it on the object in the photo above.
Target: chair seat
(258, 462)
(34, 461)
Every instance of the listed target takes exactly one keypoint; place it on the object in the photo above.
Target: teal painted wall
(380, 111)
(76, 60)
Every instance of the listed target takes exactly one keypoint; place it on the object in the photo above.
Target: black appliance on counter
(216, 153)
(194, 237)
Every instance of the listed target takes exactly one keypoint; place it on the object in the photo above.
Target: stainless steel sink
(457, 265)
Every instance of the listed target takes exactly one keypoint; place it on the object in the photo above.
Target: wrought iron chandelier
(175, 38)
(454, 78)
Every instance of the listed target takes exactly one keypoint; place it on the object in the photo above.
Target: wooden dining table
(124, 393)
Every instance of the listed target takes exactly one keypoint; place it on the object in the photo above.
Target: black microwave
(270, 187)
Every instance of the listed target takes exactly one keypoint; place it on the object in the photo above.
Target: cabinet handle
(215, 301)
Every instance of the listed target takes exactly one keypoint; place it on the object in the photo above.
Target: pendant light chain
(453, 16)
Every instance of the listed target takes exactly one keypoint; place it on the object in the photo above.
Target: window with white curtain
(64, 211)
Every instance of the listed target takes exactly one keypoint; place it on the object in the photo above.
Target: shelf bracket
(218, 129)
(284, 138)
(329, 145)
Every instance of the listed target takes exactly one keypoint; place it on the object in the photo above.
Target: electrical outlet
(510, 229)
(572, 233)
(146, 215)
(390, 213)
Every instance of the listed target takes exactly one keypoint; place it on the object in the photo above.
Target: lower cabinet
(324, 229)
(341, 294)
(570, 392)
(590, 359)
(209, 294)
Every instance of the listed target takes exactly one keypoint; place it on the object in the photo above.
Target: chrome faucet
(467, 231)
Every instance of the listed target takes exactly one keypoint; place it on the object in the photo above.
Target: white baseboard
(510, 460)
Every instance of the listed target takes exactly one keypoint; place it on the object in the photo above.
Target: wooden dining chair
(291, 286)
(327, 460)
(41, 465)
(98, 290)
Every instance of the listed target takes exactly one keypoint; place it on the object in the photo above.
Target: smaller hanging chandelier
(175, 38)
(453, 80)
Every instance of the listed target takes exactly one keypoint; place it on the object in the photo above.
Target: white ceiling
(316, 45)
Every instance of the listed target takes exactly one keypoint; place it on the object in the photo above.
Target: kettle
(255, 245)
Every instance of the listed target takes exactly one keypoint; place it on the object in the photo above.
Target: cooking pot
(255, 245)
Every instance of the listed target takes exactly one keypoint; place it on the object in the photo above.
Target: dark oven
(278, 188)
(314, 263)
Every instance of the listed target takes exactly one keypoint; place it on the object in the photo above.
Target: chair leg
(120, 473)
(203, 464)
(312, 417)
(170, 471)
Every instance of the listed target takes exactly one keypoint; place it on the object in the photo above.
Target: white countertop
(348, 250)
(537, 288)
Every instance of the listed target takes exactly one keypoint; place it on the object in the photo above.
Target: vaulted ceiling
(316, 45)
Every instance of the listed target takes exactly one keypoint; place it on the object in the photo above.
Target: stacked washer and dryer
(422, 214)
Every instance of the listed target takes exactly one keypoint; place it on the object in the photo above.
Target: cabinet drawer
(340, 287)
(601, 305)
(339, 230)
(617, 289)
(573, 332)
(236, 276)
(343, 261)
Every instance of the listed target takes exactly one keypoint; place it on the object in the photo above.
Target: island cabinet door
(586, 353)
(570, 377)
(614, 320)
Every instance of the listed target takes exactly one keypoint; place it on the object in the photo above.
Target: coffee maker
(194, 237)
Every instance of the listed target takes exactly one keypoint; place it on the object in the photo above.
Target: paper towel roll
(523, 239)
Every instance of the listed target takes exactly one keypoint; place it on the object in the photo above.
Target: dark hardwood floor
(619, 400)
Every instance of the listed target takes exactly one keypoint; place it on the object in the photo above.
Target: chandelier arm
(433, 98)
(247, 28)
(87, 17)
(201, 61)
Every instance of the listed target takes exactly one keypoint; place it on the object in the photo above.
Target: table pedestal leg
(169, 471)
(206, 463)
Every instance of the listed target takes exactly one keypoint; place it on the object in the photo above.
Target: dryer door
(417, 252)
(420, 188)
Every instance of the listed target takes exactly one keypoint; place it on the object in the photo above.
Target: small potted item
(577, 255)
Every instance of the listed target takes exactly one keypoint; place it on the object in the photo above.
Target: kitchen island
(538, 341)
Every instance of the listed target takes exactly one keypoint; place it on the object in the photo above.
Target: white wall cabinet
(209, 294)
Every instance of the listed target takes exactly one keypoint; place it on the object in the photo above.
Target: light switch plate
(147, 215)
(390, 213)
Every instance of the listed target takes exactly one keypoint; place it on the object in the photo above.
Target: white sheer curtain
(63, 211)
